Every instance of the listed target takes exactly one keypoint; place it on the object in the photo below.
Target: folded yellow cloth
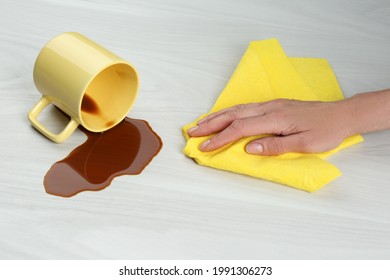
(266, 73)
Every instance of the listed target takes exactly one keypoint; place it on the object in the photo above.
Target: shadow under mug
(93, 86)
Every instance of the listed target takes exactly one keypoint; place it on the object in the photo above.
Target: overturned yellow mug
(93, 86)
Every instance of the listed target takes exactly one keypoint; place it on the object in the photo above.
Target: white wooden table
(185, 52)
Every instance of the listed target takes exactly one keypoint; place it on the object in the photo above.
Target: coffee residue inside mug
(89, 105)
(126, 148)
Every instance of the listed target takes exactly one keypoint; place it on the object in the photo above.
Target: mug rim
(88, 83)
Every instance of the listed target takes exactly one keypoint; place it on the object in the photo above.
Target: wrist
(348, 108)
(366, 112)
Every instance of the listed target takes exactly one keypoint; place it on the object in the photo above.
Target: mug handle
(58, 138)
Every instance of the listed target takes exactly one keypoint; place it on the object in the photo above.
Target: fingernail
(204, 144)
(254, 148)
(192, 129)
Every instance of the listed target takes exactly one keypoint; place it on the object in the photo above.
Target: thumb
(276, 145)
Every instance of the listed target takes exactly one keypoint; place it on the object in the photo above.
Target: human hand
(295, 126)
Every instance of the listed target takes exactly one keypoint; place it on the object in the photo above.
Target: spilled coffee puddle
(126, 149)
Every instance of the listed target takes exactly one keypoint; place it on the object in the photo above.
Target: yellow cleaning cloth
(266, 73)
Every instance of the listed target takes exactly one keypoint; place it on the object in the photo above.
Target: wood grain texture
(185, 52)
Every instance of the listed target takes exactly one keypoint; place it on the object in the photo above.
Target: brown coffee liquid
(89, 105)
(127, 148)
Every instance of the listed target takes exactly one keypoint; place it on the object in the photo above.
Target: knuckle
(234, 112)
(279, 102)
(231, 114)
(275, 146)
(278, 119)
(207, 124)
(239, 108)
(236, 127)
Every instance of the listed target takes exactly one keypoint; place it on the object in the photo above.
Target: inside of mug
(109, 97)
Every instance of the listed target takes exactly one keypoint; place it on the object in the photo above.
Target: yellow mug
(93, 86)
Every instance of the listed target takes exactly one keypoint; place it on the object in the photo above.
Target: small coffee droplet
(110, 123)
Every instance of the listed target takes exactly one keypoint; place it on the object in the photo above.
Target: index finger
(239, 129)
